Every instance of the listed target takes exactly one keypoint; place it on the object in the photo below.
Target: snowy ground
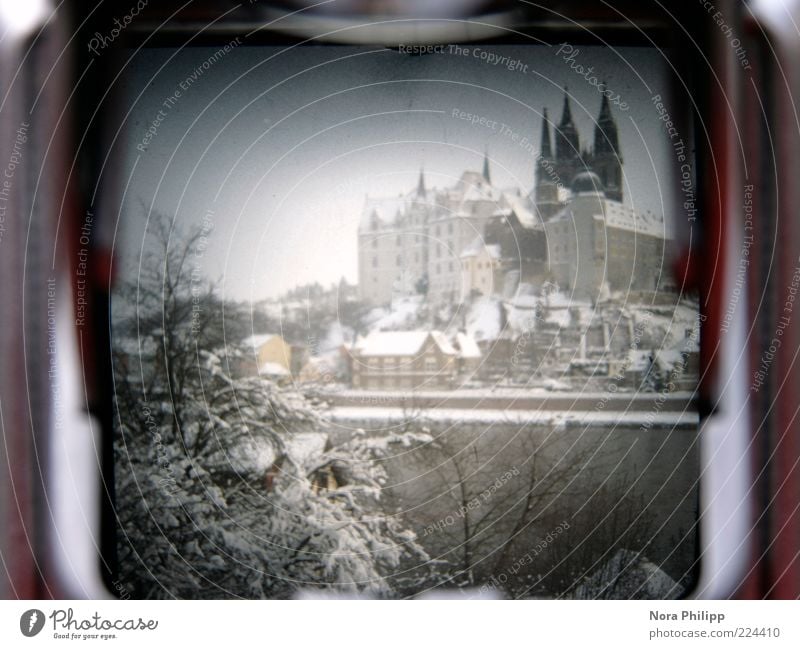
(604, 419)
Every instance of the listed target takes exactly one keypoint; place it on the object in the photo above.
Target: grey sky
(283, 145)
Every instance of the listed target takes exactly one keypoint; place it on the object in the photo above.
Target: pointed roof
(486, 175)
(546, 146)
(400, 343)
(605, 108)
(421, 183)
(567, 142)
(566, 112)
(606, 138)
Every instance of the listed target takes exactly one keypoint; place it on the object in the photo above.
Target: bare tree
(215, 497)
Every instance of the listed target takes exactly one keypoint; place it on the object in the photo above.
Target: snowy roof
(400, 343)
(616, 215)
(502, 211)
(526, 218)
(257, 340)
(273, 369)
(467, 347)
(623, 217)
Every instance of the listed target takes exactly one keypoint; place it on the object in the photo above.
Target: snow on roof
(617, 215)
(526, 218)
(273, 369)
(623, 217)
(502, 211)
(443, 343)
(400, 343)
(467, 347)
(257, 340)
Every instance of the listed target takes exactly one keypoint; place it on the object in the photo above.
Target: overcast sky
(283, 145)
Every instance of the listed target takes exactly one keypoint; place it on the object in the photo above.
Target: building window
(450, 266)
(374, 243)
(438, 250)
(399, 240)
(438, 230)
(399, 260)
(450, 228)
(374, 262)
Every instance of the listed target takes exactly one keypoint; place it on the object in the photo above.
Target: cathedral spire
(545, 146)
(486, 175)
(421, 183)
(566, 111)
(606, 138)
(567, 145)
(606, 159)
(545, 192)
(605, 107)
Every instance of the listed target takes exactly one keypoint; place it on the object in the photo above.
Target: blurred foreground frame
(341, 480)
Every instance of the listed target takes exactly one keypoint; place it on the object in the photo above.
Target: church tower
(546, 192)
(421, 184)
(606, 160)
(568, 151)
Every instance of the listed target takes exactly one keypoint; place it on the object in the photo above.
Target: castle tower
(606, 160)
(421, 184)
(546, 188)
(486, 175)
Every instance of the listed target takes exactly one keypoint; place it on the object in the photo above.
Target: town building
(404, 360)
(266, 354)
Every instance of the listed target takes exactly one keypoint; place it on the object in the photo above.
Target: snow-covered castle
(474, 238)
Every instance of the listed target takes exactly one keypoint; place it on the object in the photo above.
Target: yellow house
(480, 268)
(273, 355)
